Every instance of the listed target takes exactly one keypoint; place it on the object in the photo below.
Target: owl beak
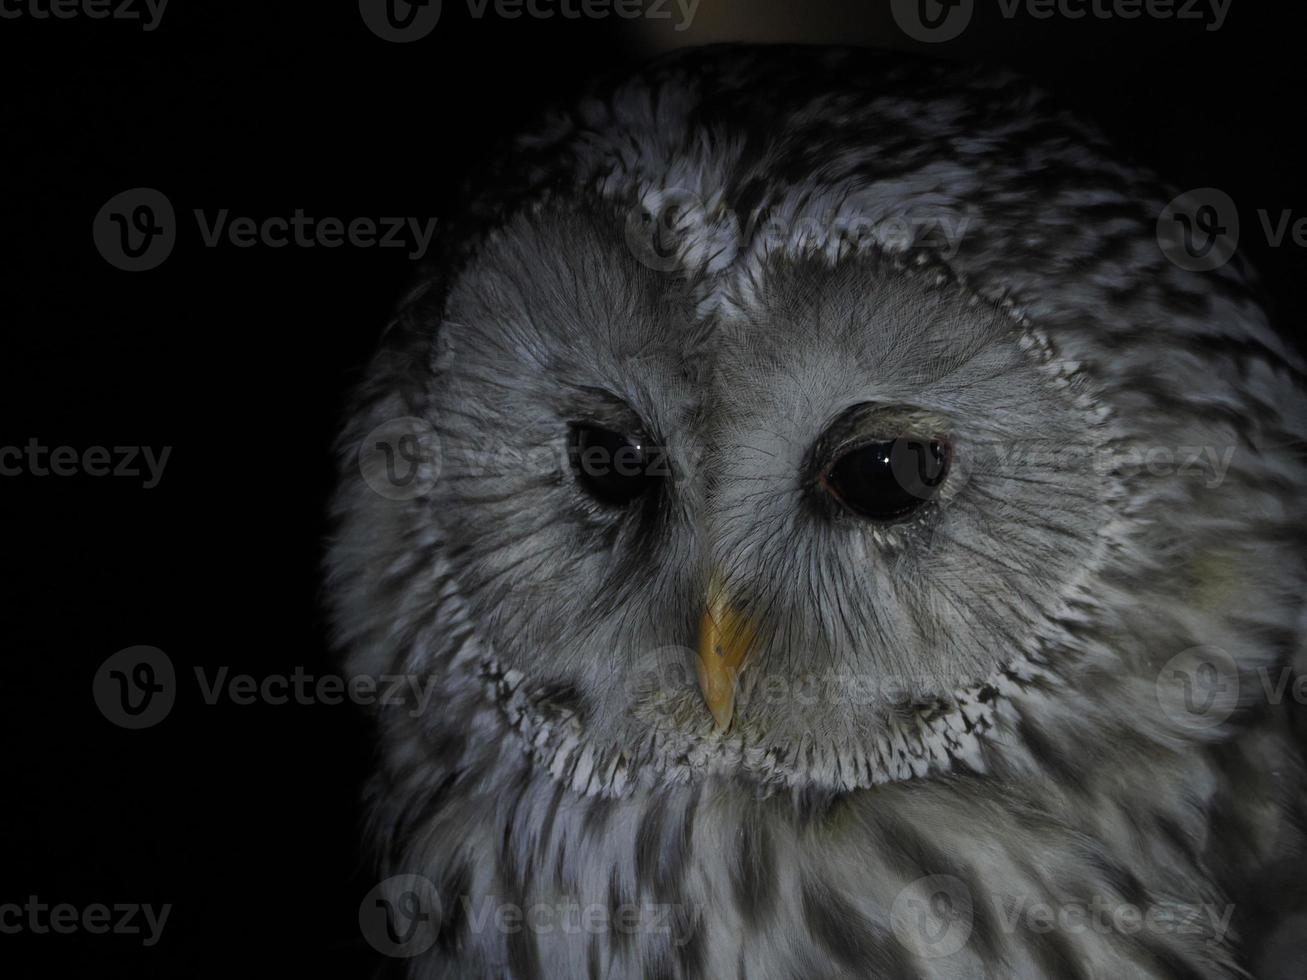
(724, 640)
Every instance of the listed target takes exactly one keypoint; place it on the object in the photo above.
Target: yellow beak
(724, 640)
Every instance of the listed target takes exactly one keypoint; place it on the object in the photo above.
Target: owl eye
(612, 468)
(887, 481)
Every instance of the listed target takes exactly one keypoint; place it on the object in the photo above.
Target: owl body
(1017, 725)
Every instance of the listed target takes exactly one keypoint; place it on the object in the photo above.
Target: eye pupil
(887, 481)
(612, 468)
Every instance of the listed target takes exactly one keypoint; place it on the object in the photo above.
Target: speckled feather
(1028, 612)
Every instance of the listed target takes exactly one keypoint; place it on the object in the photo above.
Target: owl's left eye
(888, 480)
(613, 468)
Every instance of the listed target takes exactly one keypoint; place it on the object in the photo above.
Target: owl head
(814, 419)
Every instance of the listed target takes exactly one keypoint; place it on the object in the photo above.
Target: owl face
(808, 524)
(806, 510)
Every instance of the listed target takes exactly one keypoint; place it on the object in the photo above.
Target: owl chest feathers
(712, 878)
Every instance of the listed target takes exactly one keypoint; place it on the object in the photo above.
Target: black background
(244, 818)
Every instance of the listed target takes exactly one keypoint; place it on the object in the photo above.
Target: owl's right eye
(888, 480)
(612, 468)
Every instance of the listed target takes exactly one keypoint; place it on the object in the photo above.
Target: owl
(841, 537)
